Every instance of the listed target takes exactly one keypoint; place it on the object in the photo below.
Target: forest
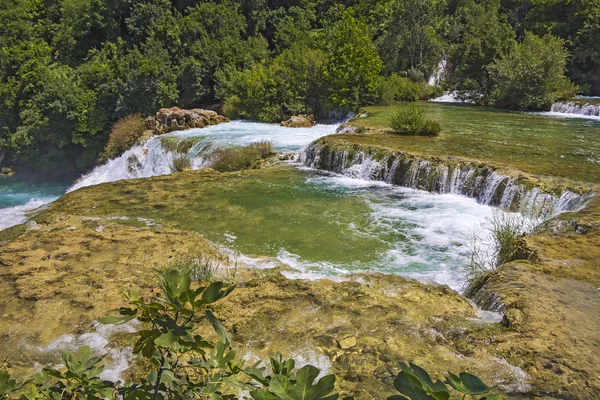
(69, 69)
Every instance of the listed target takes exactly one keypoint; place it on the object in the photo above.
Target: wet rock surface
(300, 121)
(175, 118)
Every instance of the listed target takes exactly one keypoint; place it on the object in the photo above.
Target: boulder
(300, 121)
(175, 118)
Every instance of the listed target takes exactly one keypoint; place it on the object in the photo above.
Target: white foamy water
(567, 115)
(16, 215)
(151, 159)
(117, 359)
(425, 236)
(450, 97)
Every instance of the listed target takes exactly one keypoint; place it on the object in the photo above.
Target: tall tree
(354, 65)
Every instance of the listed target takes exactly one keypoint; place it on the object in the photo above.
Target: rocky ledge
(300, 121)
(175, 119)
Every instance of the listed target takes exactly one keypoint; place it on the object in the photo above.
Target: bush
(124, 134)
(231, 107)
(397, 88)
(181, 163)
(532, 76)
(411, 121)
(238, 158)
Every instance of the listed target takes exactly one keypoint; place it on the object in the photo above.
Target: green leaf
(473, 384)
(166, 339)
(218, 327)
(6, 384)
(115, 319)
(302, 388)
(145, 342)
(263, 394)
(211, 293)
(410, 387)
(436, 389)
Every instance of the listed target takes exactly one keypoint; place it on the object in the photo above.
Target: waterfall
(587, 109)
(479, 182)
(141, 161)
(438, 75)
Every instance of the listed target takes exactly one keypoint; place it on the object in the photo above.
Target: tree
(532, 75)
(411, 39)
(353, 68)
(479, 35)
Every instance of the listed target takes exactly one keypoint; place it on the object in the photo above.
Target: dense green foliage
(411, 121)
(531, 77)
(69, 69)
(181, 364)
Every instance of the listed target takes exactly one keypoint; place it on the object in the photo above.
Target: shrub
(238, 158)
(397, 88)
(181, 163)
(411, 121)
(124, 134)
(231, 107)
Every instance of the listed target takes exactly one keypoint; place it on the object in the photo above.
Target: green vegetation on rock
(411, 121)
(124, 134)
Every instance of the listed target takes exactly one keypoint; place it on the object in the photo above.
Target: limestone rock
(347, 342)
(300, 121)
(175, 118)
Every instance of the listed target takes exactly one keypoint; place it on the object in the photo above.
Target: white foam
(450, 97)
(151, 159)
(16, 215)
(567, 115)
(117, 360)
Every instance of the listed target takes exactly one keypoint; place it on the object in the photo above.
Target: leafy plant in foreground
(184, 365)
(414, 383)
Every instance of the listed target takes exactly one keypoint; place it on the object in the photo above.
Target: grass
(542, 145)
(239, 158)
(500, 242)
(181, 163)
(202, 267)
(411, 121)
(124, 134)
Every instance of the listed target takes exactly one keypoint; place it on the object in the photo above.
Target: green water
(320, 224)
(538, 144)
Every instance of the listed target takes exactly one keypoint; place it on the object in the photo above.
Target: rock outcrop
(300, 121)
(175, 118)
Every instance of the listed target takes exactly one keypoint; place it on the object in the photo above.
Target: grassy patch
(411, 121)
(181, 163)
(124, 134)
(238, 158)
(179, 145)
(542, 145)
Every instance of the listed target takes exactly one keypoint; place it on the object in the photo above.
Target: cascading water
(481, 183)
(584, 110)
(152, 159)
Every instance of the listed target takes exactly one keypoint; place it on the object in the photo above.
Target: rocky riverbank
(549, 301)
